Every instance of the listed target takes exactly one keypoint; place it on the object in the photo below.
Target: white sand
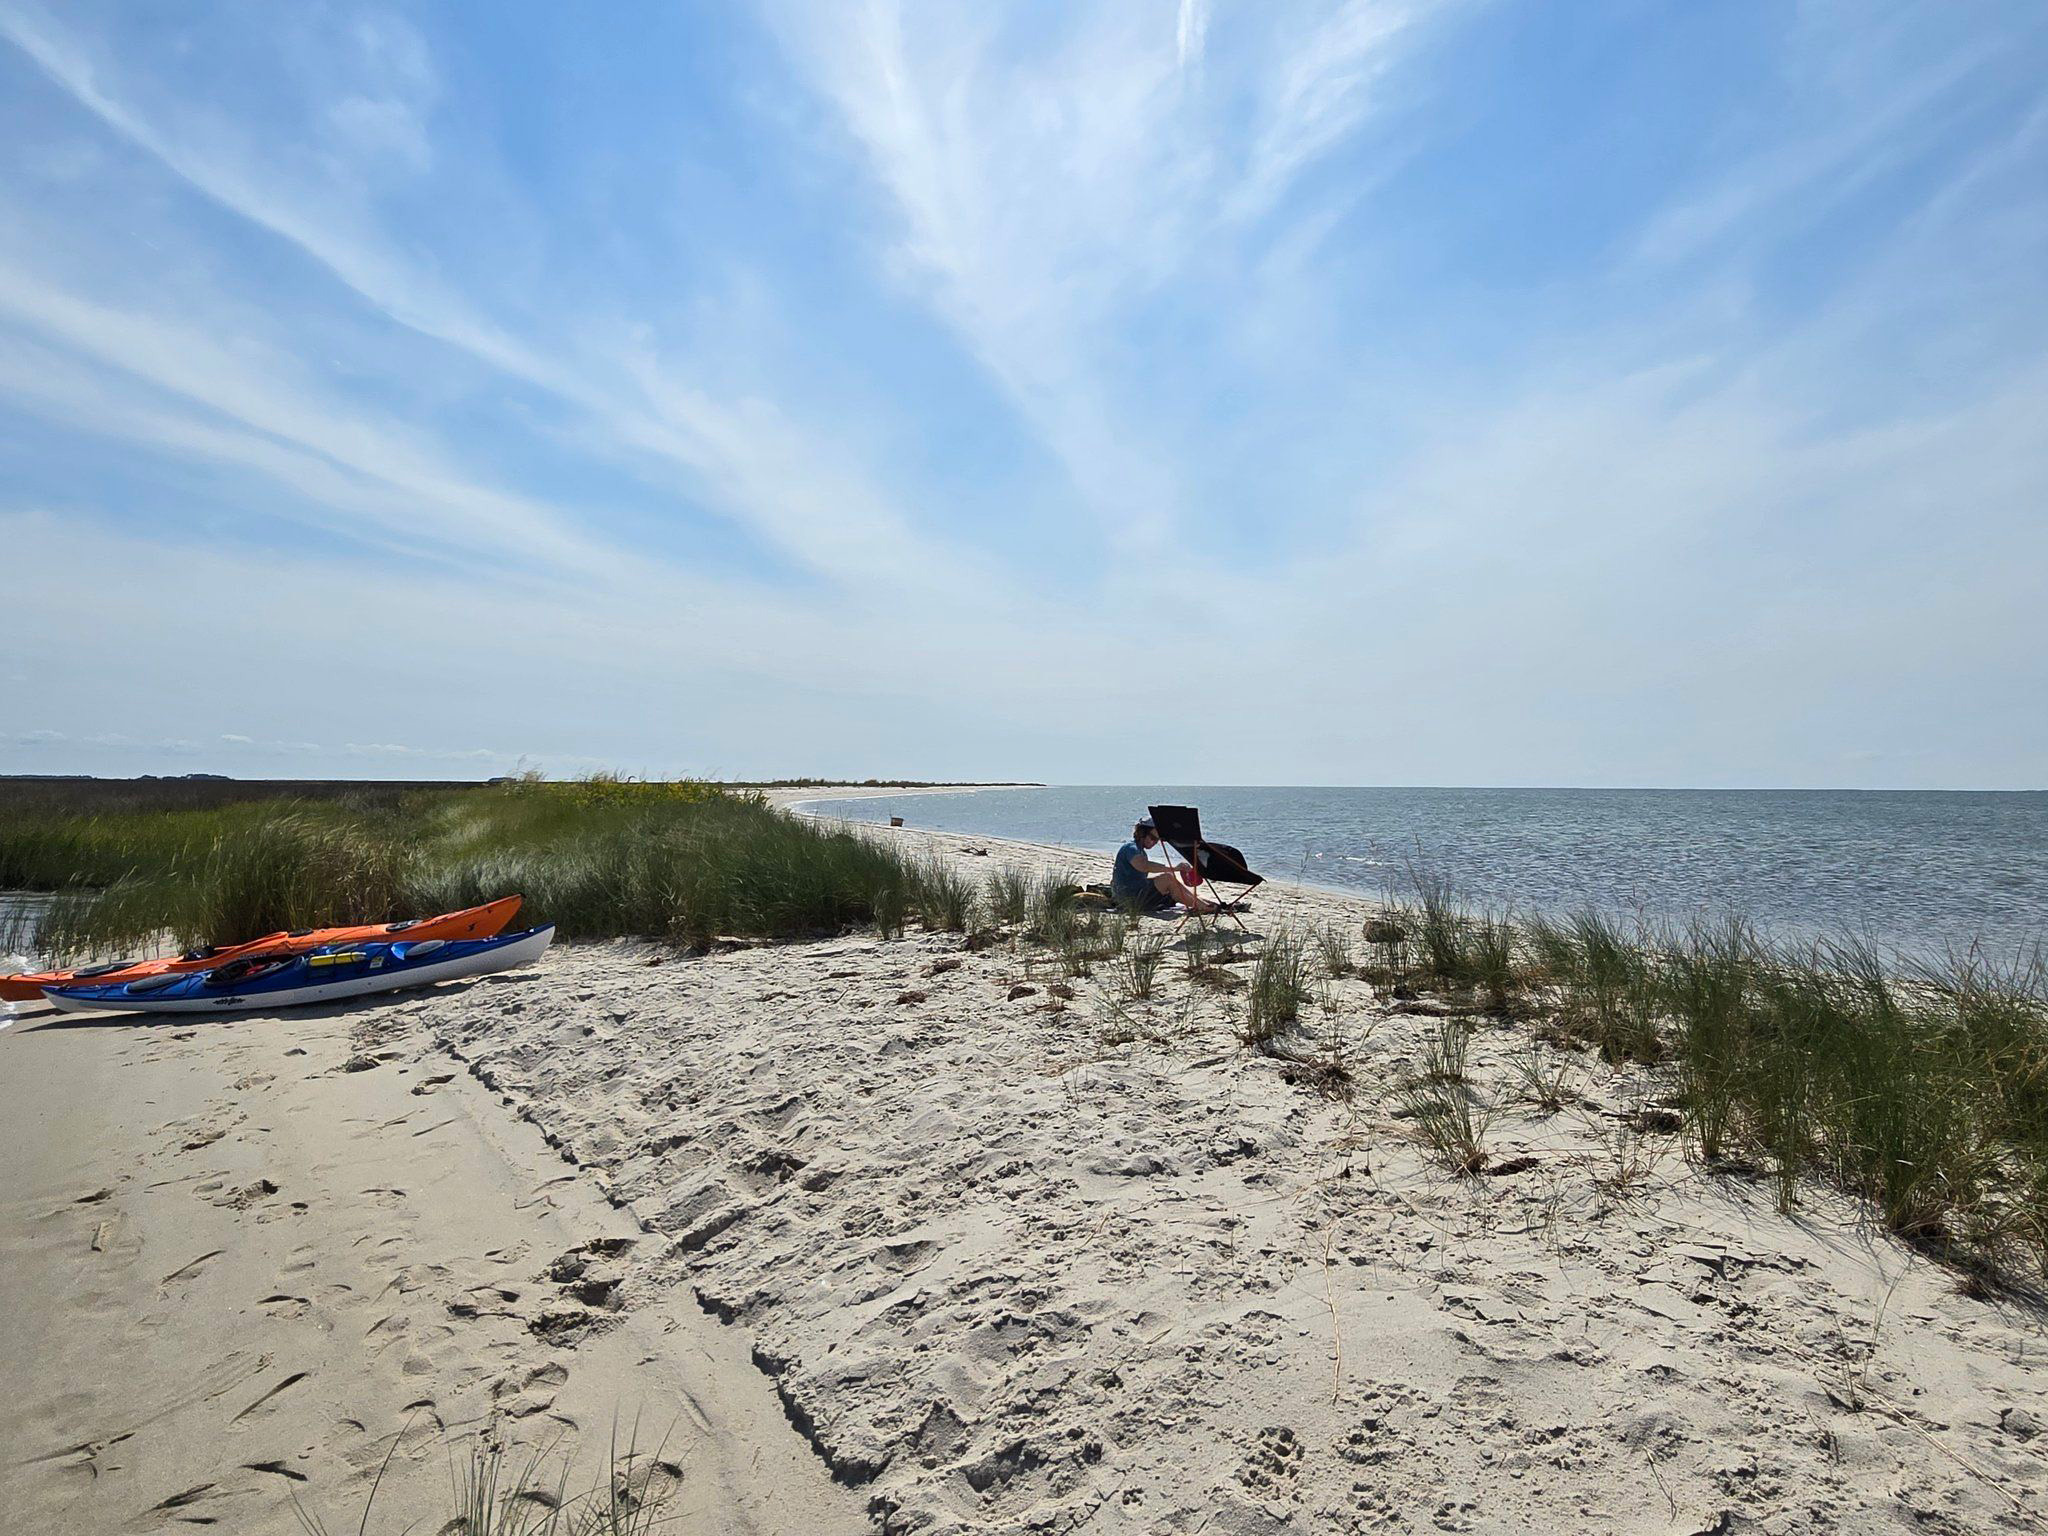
(234, 1271)
(1009, 1263)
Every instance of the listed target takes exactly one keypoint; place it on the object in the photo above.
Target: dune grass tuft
(1449, 1120)
(1008, 898)
(496, 1489)
(1282, 983)
(1136, 969)
(946, 900)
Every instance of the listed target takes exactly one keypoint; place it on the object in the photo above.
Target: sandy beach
(921, 1235)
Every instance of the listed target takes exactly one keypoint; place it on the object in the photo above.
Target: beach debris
(910, 995)
(1660, 1118)
(1384, 930)
(940, 967)
(241, 1199)
(566, 1327)
(1133, 1165)
(1022, 989)
(359, 1063)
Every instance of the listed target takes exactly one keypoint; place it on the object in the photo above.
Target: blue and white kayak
(321, 975)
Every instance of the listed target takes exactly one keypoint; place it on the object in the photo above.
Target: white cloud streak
(1043, 197)
(743, 452)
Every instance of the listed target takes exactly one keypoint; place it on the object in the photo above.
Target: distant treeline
(86, 796)
(70, 797)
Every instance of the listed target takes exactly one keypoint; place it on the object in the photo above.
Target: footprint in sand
(420, 1434)
(248, 1195)
(521, 1396)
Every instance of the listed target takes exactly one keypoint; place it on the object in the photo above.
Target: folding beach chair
(1180, 828)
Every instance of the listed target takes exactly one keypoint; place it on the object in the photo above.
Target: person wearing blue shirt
(1145, 883)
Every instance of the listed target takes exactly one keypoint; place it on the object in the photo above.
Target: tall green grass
(1608, 979)
(1282, 984)
(1921, 1088)
(598, 858)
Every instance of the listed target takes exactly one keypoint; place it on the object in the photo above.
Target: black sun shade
(1180, 827)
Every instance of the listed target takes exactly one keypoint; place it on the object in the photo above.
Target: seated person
(1146, 884)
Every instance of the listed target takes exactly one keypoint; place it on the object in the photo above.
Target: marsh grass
(1458, 948)
(2000, 1014)
(1387, 936)
(599, 858)
(1632, 1151)
(1440, 925)
(1923, 1090)
(1445, 1053)
(1709, 988)
(1490, 960)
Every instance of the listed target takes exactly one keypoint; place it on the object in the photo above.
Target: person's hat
(1146, 823)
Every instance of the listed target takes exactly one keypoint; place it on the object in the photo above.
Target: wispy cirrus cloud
(893, 385)
(1051, 183)
(754, 466)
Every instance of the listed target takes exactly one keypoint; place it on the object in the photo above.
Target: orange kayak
(470, 923)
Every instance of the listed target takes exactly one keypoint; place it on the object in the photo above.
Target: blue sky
(1458, 393)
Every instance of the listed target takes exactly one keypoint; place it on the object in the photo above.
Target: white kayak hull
(504, 957)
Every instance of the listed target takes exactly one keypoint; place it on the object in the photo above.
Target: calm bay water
(1917, 871)
(19, 911)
